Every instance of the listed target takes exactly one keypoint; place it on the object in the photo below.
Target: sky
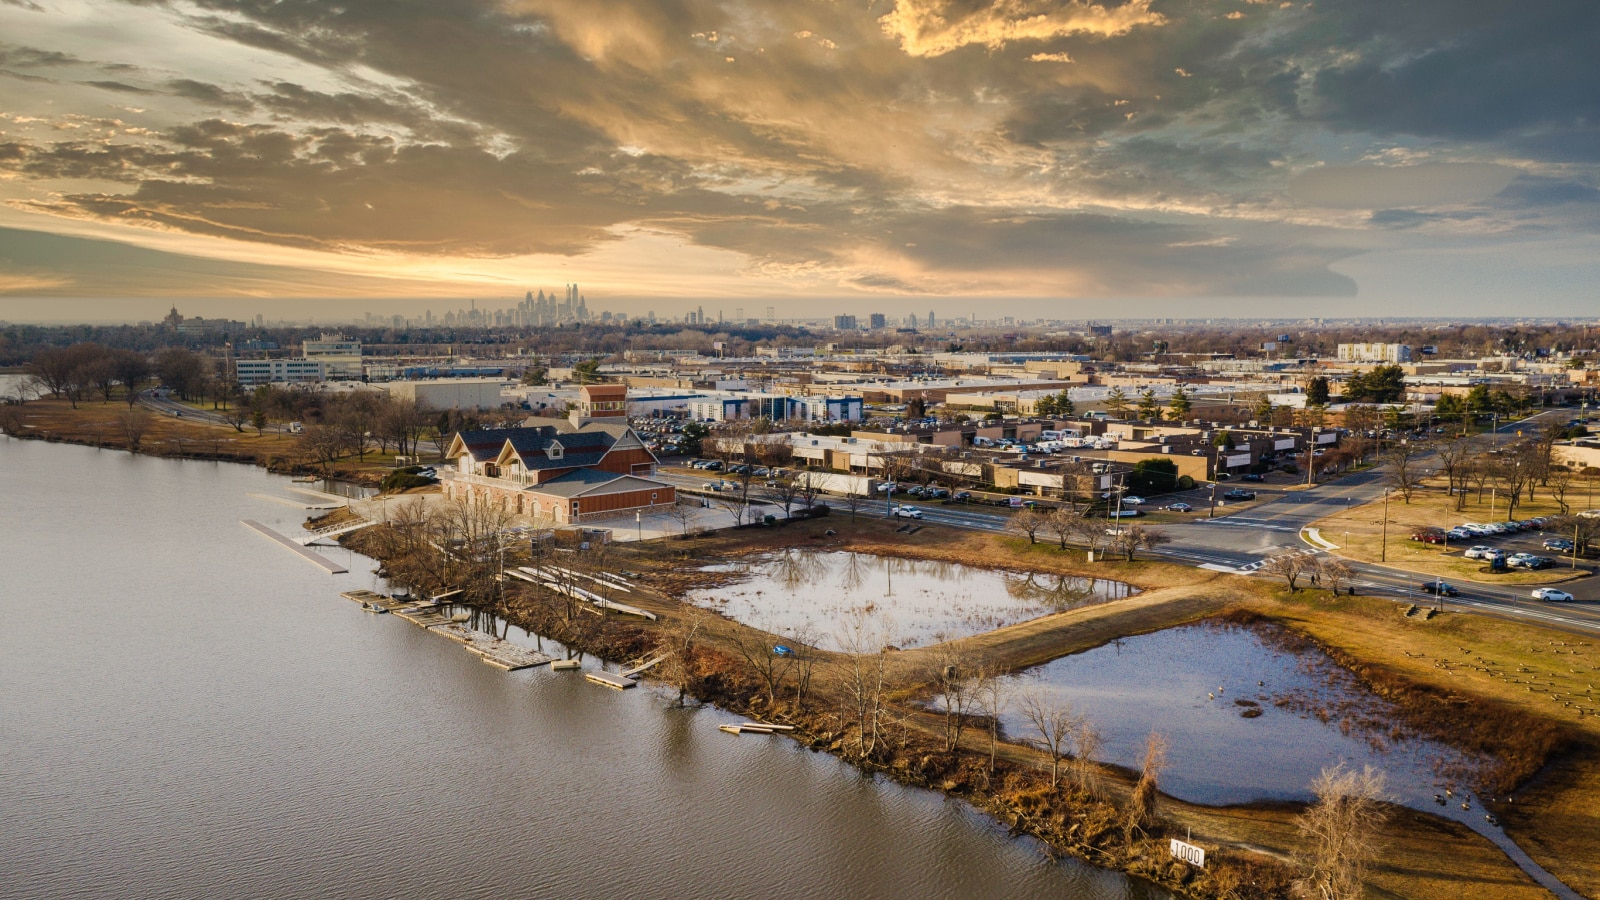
(1056, 158)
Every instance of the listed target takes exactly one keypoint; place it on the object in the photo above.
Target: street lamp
(1383, 555)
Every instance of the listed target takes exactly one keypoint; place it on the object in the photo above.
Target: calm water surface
(189, 710)
(917, 601)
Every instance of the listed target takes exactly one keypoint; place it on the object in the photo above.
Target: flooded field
(920, 601)
(1250, 715)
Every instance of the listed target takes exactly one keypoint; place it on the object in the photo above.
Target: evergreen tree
(1317, 391)
(1149, 406)
(1117, 401)
(1180, 404)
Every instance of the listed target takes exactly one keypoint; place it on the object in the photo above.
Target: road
(152, 400)
(1240, 541)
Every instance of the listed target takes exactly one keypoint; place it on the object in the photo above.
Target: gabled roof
(484, 444)
(593, 481)
(580, 446)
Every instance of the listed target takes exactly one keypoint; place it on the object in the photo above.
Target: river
(188, 710)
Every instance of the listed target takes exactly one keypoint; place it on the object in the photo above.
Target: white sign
(1239, 459)
(1283, 444)
(1189, 853)
(1327, 437)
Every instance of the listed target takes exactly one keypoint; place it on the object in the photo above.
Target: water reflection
(919, 601)
(200, 715)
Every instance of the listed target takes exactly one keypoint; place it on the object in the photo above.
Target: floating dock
(321, 495)
(565, 665)
(501, 654)
(322, 562)
(611, 680)
(290, 501)
(754, 728)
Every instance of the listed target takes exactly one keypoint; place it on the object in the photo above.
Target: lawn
(1359, 534)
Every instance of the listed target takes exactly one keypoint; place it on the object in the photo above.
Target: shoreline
(1017, 811)
(1016, 801)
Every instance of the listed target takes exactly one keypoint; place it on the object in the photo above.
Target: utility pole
(1384, 555)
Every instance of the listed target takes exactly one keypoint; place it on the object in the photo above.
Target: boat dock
(322, 562)
(290, 501)
(429, 615)
(546, 579)
(340, 499)
(611, 680)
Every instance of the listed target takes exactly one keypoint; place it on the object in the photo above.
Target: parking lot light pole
(1383, 555)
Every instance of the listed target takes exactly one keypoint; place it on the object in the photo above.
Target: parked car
(914, 491)
(888, 486)
(908, 512)
(1179, 507)
(1239, 494)
(1479, 551)
(1561, 544)
(962, 495)
(937, 493)
(1253, 477)
(1428, 536)
(712, 486)
(1459, 534)
(1551, 595)
(1132, 501)
(1441, 588)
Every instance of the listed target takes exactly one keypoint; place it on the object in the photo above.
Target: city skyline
(1033, 158)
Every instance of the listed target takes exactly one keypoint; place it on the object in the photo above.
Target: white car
(908, 512)
(1551, 595)
(1479, 552)
(1132, 501)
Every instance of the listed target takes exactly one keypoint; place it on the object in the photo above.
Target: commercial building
(252, 372)
(451, 393)
(340, 356)
(844, 323)
(1375, 353)
(560, 472)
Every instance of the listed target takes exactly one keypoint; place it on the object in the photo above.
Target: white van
(296, 428)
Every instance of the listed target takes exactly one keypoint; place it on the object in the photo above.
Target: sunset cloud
(1040, 148)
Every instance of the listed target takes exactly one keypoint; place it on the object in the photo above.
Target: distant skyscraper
(877, 320)
(930, 318)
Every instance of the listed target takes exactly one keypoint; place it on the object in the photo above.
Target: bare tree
(1559, 481)
(770, 665)
(1027, 522)
(954, 680)
(854, 502)
(134, 422)
(12, 419)
(784, 491)
(1455, 461)
(1405, 473)
(1142, 812)
(1333, 573)
(1053, 722)
(1290, 566)
(862, 673)
(1341, 829)
(1063, 523)
(683, 514)
(1091, 533)
(677, 642)
(1085, 776)
(1138, 537)
(993, 693)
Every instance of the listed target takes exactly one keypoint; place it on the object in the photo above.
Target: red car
(1429, 537)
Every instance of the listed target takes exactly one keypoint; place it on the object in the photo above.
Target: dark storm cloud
(119, 87)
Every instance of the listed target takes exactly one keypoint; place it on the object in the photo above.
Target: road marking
(1315, 536)
(1218, 567)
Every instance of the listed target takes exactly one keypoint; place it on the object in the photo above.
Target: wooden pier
(611, 680)
(290, 501)
(322, 562)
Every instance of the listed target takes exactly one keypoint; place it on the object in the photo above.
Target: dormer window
(556, 450)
